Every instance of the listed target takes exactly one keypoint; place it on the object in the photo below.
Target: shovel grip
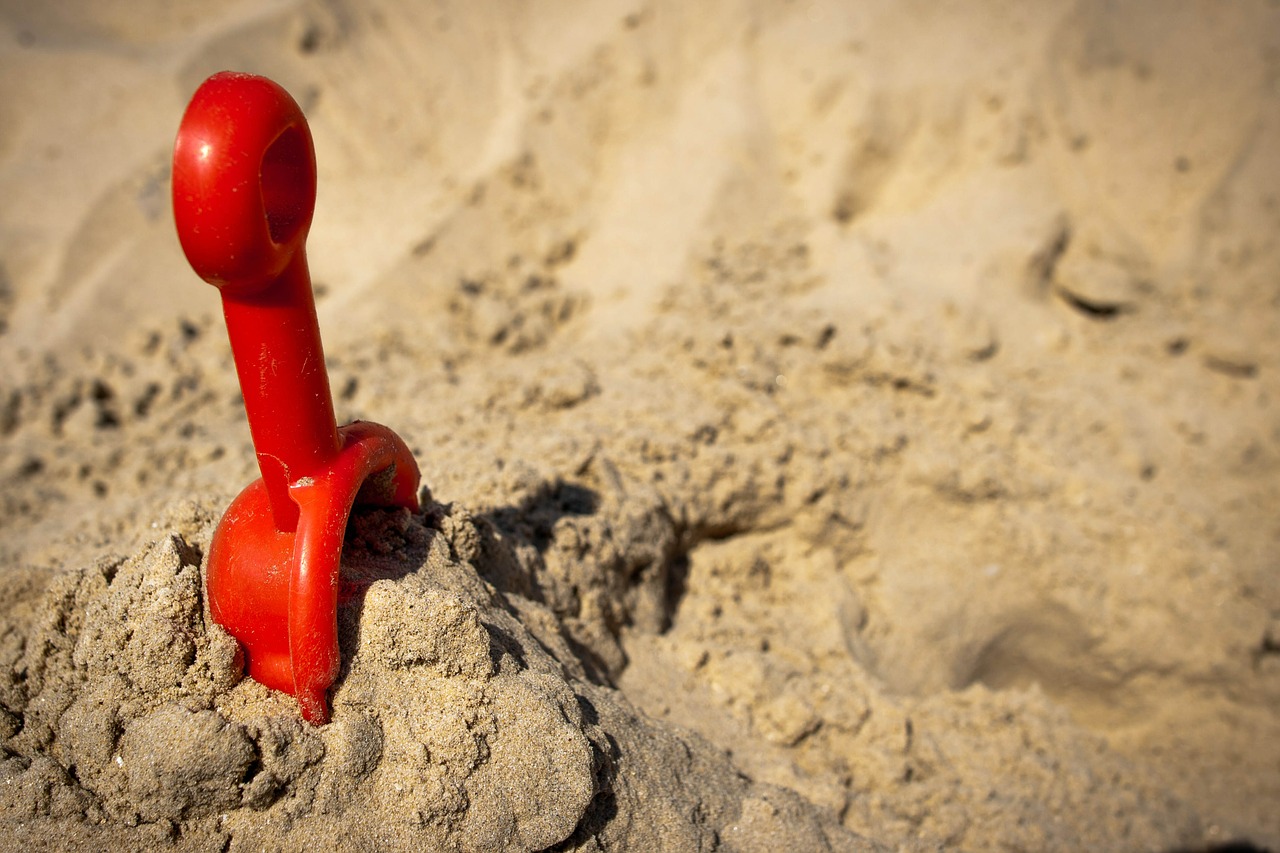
(244, 192)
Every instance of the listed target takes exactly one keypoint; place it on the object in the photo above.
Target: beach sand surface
(843, 426)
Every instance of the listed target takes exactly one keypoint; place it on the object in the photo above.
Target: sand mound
(845, 426)
(464, 720)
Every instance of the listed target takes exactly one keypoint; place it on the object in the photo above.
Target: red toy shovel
(244, 190)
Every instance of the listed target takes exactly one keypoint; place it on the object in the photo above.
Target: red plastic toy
(244, 191)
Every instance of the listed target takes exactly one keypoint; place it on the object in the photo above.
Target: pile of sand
(847, 426)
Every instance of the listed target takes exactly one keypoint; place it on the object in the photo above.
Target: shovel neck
(275, 340)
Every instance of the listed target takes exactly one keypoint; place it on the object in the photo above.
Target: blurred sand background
(847, 423)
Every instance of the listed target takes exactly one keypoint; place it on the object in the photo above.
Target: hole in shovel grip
(288, 191)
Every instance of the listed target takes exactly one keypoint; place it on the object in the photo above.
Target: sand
(844, 426)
